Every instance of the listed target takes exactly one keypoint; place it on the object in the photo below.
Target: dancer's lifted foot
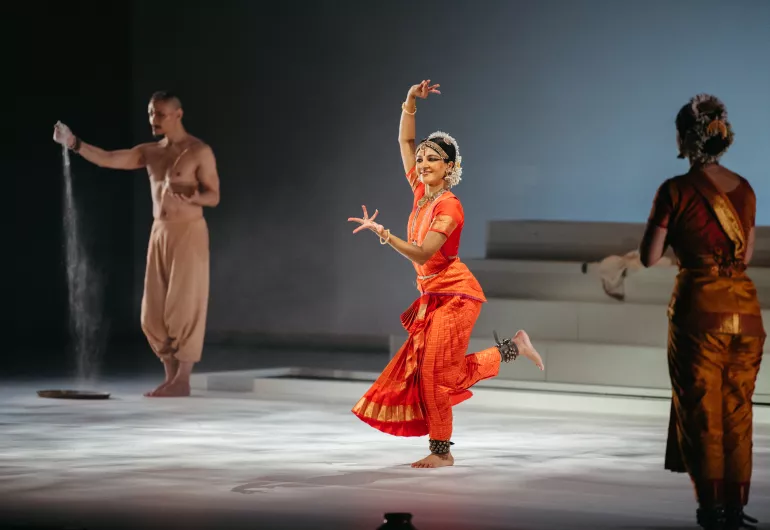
(521, 340)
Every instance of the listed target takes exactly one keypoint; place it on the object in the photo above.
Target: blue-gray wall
(563, 110)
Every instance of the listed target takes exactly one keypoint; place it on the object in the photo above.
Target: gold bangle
(403, 107)
(385, 241)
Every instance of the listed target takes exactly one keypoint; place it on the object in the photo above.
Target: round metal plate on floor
(72, 394)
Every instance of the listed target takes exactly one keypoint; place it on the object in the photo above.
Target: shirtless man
(183, 179)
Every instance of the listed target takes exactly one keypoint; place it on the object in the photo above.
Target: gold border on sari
(387, 413)
(724, 210)
(444, 224)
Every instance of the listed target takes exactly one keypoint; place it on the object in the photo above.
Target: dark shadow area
(78, 72)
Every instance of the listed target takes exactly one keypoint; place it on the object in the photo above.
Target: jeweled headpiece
(435, 141)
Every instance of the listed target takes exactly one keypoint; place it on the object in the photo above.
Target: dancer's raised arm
(406, 131)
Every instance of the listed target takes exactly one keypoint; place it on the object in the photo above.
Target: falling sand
(84, 288)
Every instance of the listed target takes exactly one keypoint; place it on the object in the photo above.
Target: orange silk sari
(430, 373)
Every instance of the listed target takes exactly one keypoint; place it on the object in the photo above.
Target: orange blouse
(443, 273)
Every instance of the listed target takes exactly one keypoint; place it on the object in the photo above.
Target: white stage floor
(221, 461)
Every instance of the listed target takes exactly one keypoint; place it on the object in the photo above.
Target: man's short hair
(167, 97)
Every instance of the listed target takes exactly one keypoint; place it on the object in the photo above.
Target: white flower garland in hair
(703, 98)
(454, 177)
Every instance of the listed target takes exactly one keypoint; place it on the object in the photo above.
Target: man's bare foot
(172, 389)
(434, 460)
(151, 393)
(521, 339)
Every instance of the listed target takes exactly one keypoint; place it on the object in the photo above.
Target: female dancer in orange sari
(716, 334)
(430, 374)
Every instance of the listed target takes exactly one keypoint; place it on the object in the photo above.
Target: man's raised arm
(119, 159)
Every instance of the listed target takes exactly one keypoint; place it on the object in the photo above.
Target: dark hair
(685, 121)
(697, 140)
(447, 146)
(716, 145)
(166, 97)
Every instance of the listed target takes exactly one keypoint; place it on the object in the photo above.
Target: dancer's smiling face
(431, 168)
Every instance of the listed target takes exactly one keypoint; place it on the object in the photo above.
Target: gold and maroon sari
(716, 334)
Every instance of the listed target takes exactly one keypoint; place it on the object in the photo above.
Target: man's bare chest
(171, 166)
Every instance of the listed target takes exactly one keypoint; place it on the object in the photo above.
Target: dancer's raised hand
(367, 222)
(423, 89)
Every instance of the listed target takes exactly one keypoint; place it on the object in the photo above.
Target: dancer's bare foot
(171, 366)
(160, 387)
(177, 383)
(521, 339)
(434, 460)
(172, 389)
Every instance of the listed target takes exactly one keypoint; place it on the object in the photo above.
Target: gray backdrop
(563, 110)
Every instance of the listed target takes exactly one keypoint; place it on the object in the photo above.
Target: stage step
(586, 363)
(595, 322)
(346, 387)
(580, 282)
(580, 241)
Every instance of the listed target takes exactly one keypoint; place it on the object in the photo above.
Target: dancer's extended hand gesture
(423, 89)
(367, 222)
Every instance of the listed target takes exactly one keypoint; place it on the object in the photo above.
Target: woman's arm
(418, 254)
(750, 246)
(653, 245)
(751, 205)
(406, 129)
(654, 240)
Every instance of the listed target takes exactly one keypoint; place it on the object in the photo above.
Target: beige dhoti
(176, 289)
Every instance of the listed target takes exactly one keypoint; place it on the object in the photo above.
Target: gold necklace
(430, 198)
(422, 202)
